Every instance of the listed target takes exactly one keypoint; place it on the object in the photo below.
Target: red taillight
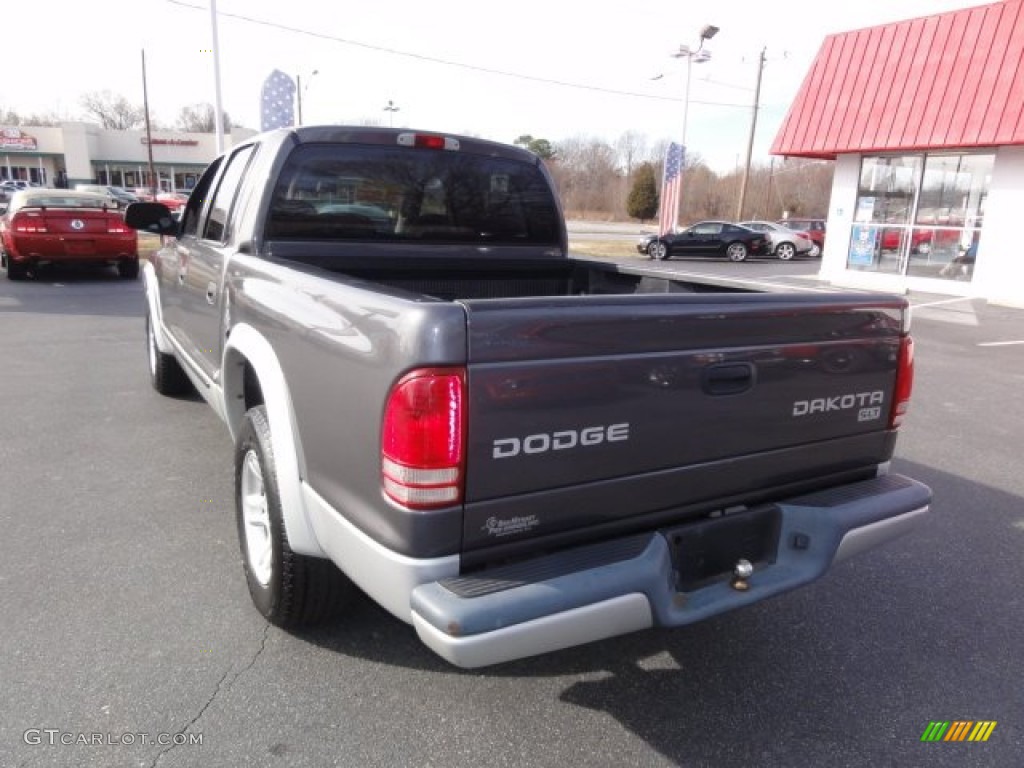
(422, 439)
(904, 382)
(28, 223)
(427, 141)
(116, 225)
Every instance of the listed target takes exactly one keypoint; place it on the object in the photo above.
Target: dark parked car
(707, 238)
(58, 225)
(815, 229)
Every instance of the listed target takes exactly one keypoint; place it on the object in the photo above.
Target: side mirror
(155, 218)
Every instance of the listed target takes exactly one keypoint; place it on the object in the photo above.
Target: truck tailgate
(595, 409)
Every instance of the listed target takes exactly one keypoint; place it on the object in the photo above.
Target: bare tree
(631, 147)
(587, 177)
(802, 187)
(200, 118)
(10, 117)
(112, 111)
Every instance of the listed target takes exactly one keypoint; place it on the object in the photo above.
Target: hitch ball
(740, 573)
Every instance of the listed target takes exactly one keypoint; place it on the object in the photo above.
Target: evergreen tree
(642, 202)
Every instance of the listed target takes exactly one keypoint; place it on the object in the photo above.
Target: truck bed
(455, 278)
(710, 381)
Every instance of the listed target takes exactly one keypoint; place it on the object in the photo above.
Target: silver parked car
(785, 242)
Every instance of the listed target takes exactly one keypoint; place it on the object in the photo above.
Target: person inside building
(962, 265)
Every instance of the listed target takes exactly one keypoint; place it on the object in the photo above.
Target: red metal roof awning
(952, 80)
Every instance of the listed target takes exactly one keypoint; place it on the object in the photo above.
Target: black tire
(657, 250)
(128, 269)
(785, 251)
(165, 371)
(15, 271)
(288, 589)
(736, 252)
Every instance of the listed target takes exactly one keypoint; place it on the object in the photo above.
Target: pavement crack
(221, 686)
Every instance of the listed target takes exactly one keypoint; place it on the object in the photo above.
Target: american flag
(276, 101)
(669, 214)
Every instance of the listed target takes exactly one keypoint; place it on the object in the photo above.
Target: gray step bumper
(616, 587)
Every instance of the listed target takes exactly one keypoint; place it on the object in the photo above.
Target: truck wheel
(290, 590)
(165, 371)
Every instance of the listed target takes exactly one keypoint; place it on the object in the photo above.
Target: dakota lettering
(838, 403)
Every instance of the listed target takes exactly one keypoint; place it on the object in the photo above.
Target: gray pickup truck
(511, 449)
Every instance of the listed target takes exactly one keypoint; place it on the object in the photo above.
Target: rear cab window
(350, 193)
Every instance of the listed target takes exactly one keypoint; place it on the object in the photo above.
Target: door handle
(182, 264)
(728, 378)
(211, 293)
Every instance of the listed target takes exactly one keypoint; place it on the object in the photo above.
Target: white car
(786, 243)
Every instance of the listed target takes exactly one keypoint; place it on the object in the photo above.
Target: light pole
(298, 95)
(391, 109)
(698, 55)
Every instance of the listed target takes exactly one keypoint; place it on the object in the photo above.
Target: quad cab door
(200, 254)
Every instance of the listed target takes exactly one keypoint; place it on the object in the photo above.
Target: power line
(447, 62)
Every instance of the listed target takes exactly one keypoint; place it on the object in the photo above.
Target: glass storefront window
(950, 212)
(920, 215)
(885, 203)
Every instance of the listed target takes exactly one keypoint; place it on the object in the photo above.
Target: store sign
(13, 138)
(862, 246)
(171, 142)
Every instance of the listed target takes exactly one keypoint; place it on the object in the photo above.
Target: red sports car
(43, 226)
(174, 201)
(921, 240)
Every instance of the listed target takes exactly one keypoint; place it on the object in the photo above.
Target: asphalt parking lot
(126, 621)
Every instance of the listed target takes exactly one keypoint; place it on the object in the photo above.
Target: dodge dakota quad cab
(512, 449)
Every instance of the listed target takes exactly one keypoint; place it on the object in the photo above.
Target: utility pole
(149, 135)
(750, 141)
(218, 106)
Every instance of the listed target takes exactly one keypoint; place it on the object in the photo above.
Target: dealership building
(925, 123)
(76, 152)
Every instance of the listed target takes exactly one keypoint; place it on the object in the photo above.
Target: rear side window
(216, 222)
(707, 229)
(197, 200)
(340, 192)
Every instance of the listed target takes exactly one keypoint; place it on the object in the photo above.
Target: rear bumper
(616, 587)
(53, 249)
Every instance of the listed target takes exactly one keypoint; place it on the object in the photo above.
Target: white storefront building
(77, 152)
(924, 120)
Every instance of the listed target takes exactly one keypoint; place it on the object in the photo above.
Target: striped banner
(959, 730)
